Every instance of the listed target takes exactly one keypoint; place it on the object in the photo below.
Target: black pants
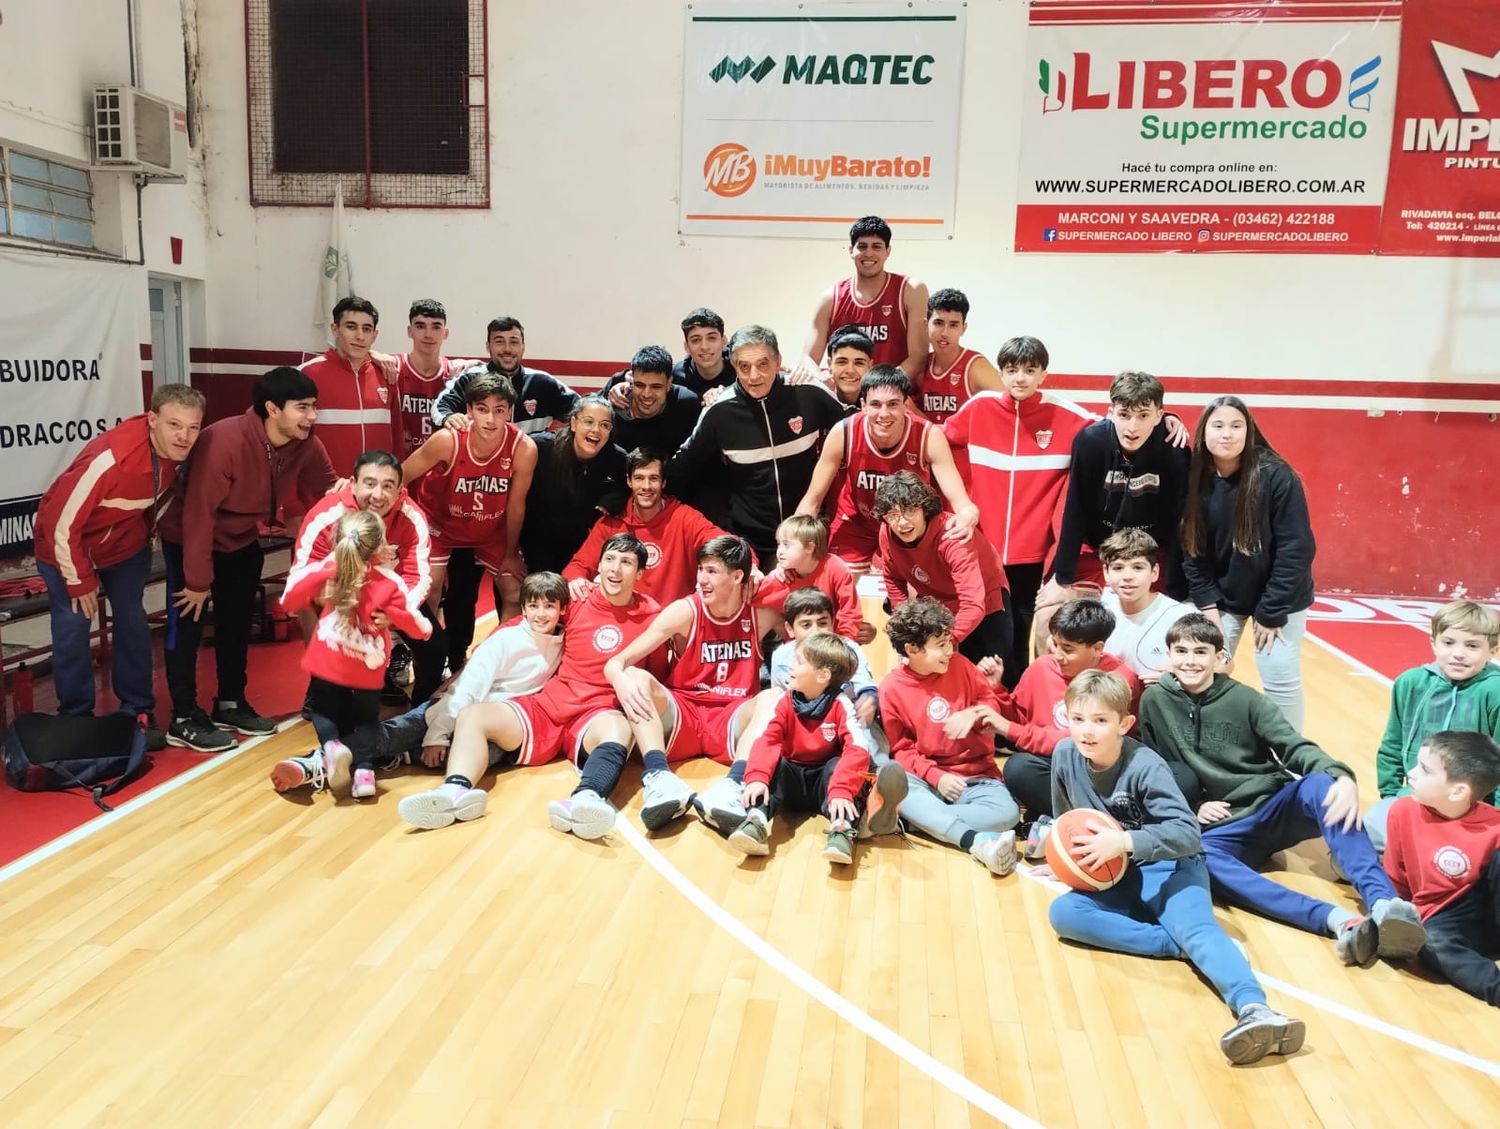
(450, 642)
(236, 580)
(804, 787)
(1029, 780)
(991, 636)
(1463, 938)
(338, 711)
(1025, 583)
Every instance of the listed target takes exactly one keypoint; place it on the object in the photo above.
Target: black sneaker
(239, 717)
(156, 740)
(197, 732)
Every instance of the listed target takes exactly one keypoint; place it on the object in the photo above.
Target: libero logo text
(1292, 98)
(730, 169)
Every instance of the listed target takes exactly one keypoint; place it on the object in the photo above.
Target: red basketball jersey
(720, 661)
(414, 396)
(883, 320)
(465, 501)
(594, 631)
(866, 468)
(940, 394)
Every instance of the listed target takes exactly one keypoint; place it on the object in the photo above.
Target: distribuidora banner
(70, 368)
(1191, 126)
(800, 118)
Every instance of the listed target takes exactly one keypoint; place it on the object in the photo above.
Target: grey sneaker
(838, 847)
(1260, 1032)
(1357, 941)
(240, 717)
(590, 815)
(1399, 929)
(666, 798)
(753, 835)
(198, 733)
(997, 854)
(719, 805)
(439, 807)
(883, 804)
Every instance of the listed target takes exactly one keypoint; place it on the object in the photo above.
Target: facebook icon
(1049, 235)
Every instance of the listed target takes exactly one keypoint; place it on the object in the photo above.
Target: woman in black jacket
(1247, 546)
(580, 474)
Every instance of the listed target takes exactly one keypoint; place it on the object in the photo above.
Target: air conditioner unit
(138, 132)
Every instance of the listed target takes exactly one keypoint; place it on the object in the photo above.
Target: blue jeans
(1161, 909)
(985, 805)
(72, 659)
(1291, 816)
(1281, 667)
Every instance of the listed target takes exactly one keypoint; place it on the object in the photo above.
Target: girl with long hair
(1247, 546)
(580, 473)
(362, 598)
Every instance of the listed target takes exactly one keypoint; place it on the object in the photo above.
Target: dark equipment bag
(47, 753)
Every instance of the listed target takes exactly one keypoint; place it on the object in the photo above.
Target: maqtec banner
(70, 368)
(1444, 192)
(1180, 126)
(799, 119)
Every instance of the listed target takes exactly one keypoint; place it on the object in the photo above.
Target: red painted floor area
(1387, 635)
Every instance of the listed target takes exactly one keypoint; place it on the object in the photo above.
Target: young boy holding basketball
(1160, 906)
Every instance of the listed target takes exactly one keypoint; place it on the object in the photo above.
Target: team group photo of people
(711, 555)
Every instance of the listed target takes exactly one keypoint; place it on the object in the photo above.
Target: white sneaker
(585, 814)
(998, 854)
(719, 805)
(336, 761)
(439, 807)
(666, 798)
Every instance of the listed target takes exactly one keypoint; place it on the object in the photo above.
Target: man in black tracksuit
(1125, 473)
(541, 399)
(759, 442)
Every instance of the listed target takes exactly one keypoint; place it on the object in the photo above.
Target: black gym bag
(47, 753)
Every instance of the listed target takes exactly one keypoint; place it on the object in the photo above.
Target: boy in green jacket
(1266, 788)
(1459, 689)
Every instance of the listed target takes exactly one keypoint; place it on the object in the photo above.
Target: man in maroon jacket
(93, 530)
(259, 469)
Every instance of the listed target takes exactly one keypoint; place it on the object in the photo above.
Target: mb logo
(728, 68)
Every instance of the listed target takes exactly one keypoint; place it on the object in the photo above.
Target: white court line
(1359, 667)
(99, 823)
(1333, 1007)
(939, 1072)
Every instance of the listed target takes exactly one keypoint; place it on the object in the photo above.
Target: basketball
(1079, 821)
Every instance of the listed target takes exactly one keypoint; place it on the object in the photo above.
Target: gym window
(45, 200)
(385, 98)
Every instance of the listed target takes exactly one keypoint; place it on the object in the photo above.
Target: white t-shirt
(1140, 641)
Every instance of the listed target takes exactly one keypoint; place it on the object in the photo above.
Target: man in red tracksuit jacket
(262, 468)
(94, 528)
(357, 409)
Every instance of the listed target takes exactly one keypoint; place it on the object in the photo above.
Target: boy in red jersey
(883, 439)
(1036, 714)
(803, 561)
(922, 558)
(887, 308)
(708, 697)
(815, 756)
(940, 715)
(472, 484)
(1443, 854)
(421, 374)
(355, 409)
(953, 374)
(670, 529)
(575, 714)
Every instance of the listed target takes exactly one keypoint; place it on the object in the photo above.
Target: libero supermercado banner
(798, 119)
(1443, 195)
(70, 368)
(1179, 126)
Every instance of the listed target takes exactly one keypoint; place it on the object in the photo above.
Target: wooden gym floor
(221, 955)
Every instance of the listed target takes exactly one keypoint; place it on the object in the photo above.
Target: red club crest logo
(744, 625)
(1451, 861)
(829, 730)
(530, 406)
(921, 574)
(1044, 439)
(885, 311)
(653, 555)
(938, 709)
(384, 393)
(608, 638)
(911, 458)
(795, 423)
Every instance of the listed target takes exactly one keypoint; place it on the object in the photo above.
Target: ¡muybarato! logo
(830, 70)
(728, 170)
(1216, 84)
(1457, 134)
